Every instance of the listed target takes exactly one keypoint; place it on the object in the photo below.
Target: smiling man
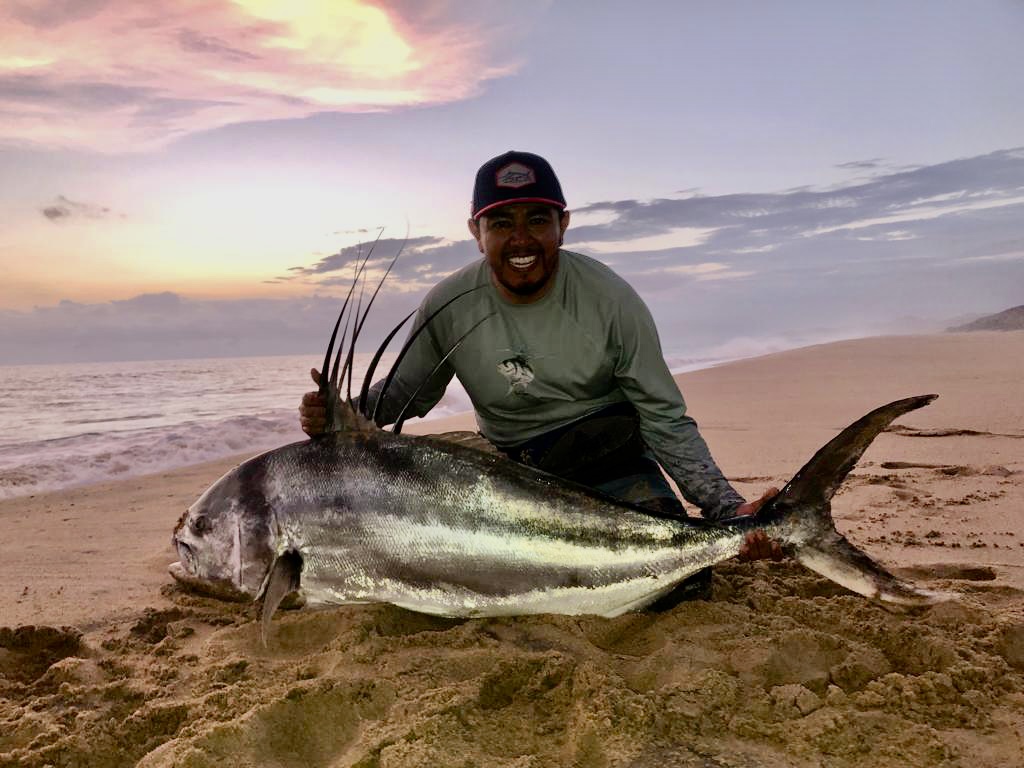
(567, 374)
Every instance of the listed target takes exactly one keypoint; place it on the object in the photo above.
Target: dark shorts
(605, 451)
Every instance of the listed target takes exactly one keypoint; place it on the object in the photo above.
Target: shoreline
(462, 420)
(68, 529)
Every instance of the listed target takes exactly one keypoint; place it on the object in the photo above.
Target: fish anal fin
(285, 577)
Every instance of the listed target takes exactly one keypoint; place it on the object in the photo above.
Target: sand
(105, 662)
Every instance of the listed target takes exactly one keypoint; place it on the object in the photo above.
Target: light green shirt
(588, 343)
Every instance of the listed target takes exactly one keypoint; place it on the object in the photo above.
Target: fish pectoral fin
(285, 577)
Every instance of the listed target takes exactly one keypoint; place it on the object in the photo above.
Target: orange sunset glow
(749, 171)
(198, 65)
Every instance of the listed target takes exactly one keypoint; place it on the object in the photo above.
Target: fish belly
(445, 533)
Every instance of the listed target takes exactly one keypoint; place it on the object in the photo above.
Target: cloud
(195, 42)
(134, 76)
(347, 259)
(861, 165)
(891, 227)
(168, 326)
(45, 14)
(64, 208)
(752, 223)
(804, 264)
(423, 261)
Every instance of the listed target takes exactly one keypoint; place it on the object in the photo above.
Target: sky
(193, 178)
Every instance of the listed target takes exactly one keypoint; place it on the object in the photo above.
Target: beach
(105, 661)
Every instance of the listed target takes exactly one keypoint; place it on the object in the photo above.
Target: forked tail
(802, 513)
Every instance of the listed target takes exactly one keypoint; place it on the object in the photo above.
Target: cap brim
(547, 201)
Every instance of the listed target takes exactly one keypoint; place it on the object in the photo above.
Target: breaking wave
(119, 420)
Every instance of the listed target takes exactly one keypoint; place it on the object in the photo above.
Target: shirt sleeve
(644, 378)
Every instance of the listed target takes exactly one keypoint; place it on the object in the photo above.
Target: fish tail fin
(834, 557)
(803, 513)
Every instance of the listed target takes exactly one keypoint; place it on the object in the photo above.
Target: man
(568, 374)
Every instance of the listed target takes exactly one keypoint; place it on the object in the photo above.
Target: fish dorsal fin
(444, 359)
(285, 577)
(352, 421)
(341, 415)
(405, 350)
(467, 439)
(820, 477)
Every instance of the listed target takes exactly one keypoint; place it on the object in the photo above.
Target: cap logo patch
(515, 175)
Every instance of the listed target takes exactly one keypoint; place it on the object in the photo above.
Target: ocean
(73, 424)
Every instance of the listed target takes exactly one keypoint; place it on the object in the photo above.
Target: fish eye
(201, 525)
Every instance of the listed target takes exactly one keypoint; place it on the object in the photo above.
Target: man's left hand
(757, 545)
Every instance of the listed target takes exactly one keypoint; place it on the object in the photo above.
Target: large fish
(364, 515)
(441, 528)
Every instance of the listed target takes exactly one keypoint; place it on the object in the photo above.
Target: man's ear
(474, 230)
(563, 224)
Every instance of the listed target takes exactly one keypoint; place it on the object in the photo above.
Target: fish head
(225, 539)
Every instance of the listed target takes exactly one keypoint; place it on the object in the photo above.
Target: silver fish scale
(491, 540)
(446, 529)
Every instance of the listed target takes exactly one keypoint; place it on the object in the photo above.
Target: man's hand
(757, 545)
(312, 412)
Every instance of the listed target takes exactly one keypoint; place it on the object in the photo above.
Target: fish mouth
(221, 589)
(187, 557)
(185, 572)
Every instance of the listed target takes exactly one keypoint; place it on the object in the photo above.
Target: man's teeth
(522, 262)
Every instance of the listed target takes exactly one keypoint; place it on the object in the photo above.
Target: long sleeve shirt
(589, 342)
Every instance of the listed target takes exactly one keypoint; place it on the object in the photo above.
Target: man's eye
(538, 221)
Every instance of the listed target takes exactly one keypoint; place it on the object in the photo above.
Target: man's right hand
(312, 410)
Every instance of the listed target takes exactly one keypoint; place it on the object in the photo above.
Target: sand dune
(105, 662)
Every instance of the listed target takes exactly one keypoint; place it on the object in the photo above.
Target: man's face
(521, 242)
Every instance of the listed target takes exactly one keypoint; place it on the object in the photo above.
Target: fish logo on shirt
(517, 372)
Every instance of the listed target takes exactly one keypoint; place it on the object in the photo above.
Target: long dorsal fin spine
(401, 414)
(337, 357)
(346, 371)
(362, 319)
(364, 391)
(356, 275)
(329, 378)
(408, 345)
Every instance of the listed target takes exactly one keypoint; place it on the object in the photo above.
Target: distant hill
(1008, 320)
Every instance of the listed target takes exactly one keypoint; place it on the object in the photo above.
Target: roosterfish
(361, 514)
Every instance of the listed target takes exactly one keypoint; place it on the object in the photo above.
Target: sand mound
(781, 668)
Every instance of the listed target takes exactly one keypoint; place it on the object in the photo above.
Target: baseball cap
(515, 177)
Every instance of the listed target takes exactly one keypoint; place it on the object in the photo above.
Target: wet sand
(105, 662)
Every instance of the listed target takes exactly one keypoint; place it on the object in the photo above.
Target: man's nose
(520, 232)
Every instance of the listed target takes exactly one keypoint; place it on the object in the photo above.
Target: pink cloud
(120, 76)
